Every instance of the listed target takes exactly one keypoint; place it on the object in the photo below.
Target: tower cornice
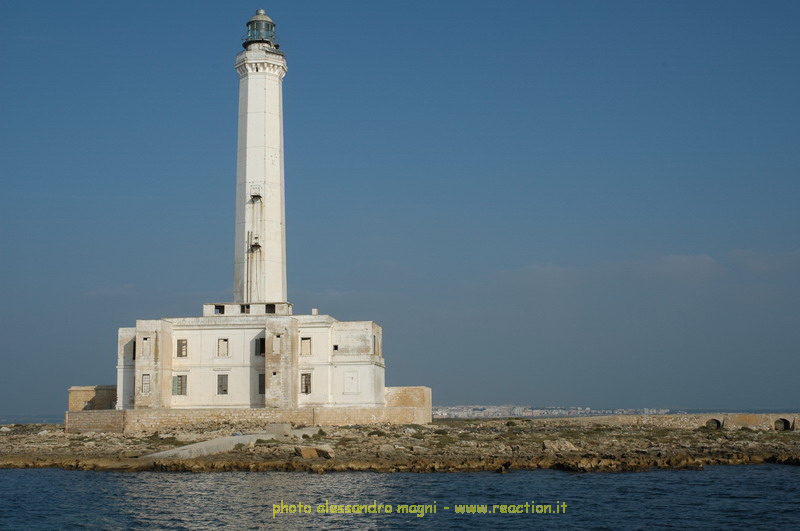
(253, 61)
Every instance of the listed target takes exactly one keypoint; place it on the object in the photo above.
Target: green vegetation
(444, 441)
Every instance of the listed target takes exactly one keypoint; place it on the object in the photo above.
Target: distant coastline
(512, 410)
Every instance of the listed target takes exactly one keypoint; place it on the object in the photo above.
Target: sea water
(753, 497)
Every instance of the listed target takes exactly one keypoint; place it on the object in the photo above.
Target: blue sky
(544, 203)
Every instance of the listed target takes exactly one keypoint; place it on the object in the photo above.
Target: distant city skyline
(540, 203)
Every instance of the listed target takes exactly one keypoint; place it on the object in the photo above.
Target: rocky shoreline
(498, 445)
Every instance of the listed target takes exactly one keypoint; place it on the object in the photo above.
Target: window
(179, 384)
(335, 348)
(305, 383)
(222, 384)
(269, 308)
(244, 308)
(145, 347)
(181, 351)
(219, 309)
(305, 346)
(145, 384)
(262, 384)
(134, 350)
(222, 347)
(261, 346)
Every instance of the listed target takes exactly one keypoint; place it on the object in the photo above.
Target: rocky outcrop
(495, 445)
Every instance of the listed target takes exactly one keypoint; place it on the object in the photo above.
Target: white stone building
(253, 353)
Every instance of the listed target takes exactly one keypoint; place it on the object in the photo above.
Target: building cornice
(258, 61)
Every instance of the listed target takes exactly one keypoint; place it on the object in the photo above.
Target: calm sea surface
(753, 497)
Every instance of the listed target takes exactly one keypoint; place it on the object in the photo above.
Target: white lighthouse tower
(252, 361)
(260, 240)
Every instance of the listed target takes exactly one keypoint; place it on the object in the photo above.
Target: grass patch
(444, 441)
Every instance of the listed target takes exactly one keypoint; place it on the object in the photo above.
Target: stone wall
(109, 421)
(343, 416)
(139, 421)
(756, 421)
(164, 420)
(92, 397)
(148, 421)
(408, 397)
(143, 421)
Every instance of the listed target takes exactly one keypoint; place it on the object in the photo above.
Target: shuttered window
(305, 346)
(182, 349)
(222, 384)
(305, 383)
(262, 384)
(179, 384)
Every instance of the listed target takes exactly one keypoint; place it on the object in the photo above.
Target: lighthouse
(251, 361)
(260, 236)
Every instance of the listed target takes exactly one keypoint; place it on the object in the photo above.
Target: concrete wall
(280, 363)
(126, 368)
(203, 364)
(92, 397)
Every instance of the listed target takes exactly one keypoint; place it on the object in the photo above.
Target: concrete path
(223, 444)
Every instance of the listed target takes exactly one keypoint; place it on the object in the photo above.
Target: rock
(5, 429)
(419, 450)
(559, 445)
(126, 454)
(326, 451)
(43, 432)
(386, 449)
(306, 452)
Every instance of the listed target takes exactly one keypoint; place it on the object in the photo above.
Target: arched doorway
(783, 425)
